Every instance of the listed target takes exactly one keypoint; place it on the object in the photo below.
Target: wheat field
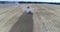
(46, 17)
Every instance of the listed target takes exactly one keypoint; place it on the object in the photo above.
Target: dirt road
(24, 24)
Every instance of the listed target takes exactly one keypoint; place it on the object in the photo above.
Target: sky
(35, 0)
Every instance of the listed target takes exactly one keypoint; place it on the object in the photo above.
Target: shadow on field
(24, 24)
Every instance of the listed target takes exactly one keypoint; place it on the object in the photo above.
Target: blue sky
(35, 0)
